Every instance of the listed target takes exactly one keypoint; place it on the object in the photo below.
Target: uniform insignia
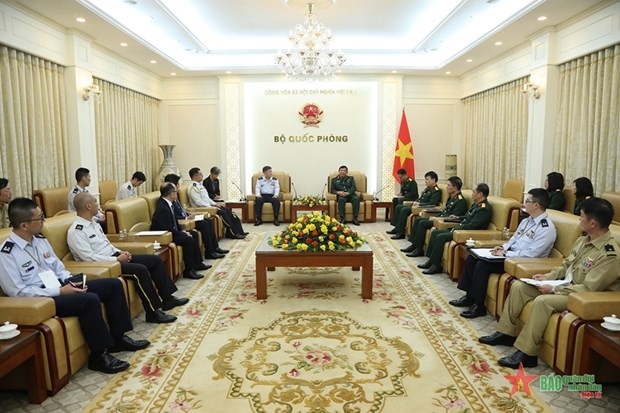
(47, 254)
(129, 187)
(588, 263)
(30, 269)
(610, 248)
(483, 205)
(75, 190)
(79, 226)
(544, 223)
(92, 236)
(27, 264)
(260, 178)
(40, 236)
(459, 196)
(7, 247)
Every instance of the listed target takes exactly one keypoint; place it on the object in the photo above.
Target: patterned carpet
(315, 346)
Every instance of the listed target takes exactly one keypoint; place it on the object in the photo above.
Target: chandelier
(310, 57)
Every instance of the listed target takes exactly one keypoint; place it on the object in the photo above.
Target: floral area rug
(314, 345)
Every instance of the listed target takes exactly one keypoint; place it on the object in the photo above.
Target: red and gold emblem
(311, 114)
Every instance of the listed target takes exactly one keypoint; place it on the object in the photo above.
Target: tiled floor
(85, 384)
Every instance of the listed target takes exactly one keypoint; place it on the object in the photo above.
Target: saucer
(14, 334)
(610, 326)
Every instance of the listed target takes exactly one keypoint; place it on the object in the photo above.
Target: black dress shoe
(464, 301)
(355, 222)
(245, 233)
(214, 256)
(159, 317)
(474, 311)
(192, 275)
(239, 236)
(258, 222)
(106, 363)
(342, 220)
(202, 267)
(172, 302)
(426, 265)
(400, 235)
(517, 358)
(410, 248)
(276, 223)
(129, 344)
(433, 269)
(221, 251)
(392, 231)
(418, 252)
(497, 338)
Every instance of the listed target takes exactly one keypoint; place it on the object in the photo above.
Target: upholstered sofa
(365, 211)
(562, 339)
(52, 201)
(285, 196)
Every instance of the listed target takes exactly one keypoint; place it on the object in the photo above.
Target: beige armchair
(107, 192)
(361, 190)
(285, 196)
(52, 201)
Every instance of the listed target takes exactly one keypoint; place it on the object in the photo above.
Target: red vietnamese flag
(403, 155)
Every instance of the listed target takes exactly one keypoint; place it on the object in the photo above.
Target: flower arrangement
(309, 200)
(317, 233)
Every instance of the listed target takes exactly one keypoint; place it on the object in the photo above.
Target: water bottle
(506, 234)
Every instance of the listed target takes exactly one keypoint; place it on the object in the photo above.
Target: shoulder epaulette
(483, 205)
(409, 179)
(129, 186)
(260, 178)
(610, 249)
(436, 188)
(274, 178)
(544, 223)
(75, 190)
(79, 226)
(459, 196)
(194, 183)
(7, 247)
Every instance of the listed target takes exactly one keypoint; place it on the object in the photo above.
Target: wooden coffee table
(296, 208)
(268, 258)
(25, 350)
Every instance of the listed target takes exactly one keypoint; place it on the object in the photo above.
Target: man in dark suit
(164, 219)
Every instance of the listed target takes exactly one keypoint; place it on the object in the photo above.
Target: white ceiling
(197, 37)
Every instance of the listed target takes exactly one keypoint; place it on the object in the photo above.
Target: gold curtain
(587, 138)
(126, 134)
(495, 132)
(33, 126)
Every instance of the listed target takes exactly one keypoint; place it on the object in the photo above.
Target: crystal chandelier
(310, 57)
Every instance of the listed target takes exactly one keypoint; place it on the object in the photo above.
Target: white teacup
(7, 330)
(156, 245)
(470, 242)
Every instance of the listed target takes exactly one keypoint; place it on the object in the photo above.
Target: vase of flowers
(316, 232)
(309, 200)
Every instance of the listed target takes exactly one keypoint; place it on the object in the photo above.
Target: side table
(389, 210)
(25, 350)
(600, 348)
(242, 205)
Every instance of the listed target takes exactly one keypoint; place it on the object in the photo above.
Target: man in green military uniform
(408, 189)
(591, 266)
(431, 196)
(344, 188)
(478, 217)
(455, 207)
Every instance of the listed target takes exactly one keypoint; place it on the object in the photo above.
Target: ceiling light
(394, 71)
(542, 18)
(228, 72)
(469, 60)
(153, 61)
(123, 44)
(173, 74)
(448, 73)
(310, 57)
(498, 43)
(80, 19)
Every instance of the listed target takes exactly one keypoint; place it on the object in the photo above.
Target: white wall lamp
(91, 91)
(532, 90)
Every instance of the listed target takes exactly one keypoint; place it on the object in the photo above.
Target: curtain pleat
(33, 125)
(126, 134)
(588, 122)
(495, 136)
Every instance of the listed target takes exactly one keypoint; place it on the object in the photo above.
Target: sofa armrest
(27, 310)
(439, 223)
(527, 267)
(331, 197)
(287, 196)
(463, 235)
(486, 243)
(366, 197)
(96, 270)
(202, 210)
(186, 224)
(594, 305)
(251, 197)
(136, 247)
(164, 239)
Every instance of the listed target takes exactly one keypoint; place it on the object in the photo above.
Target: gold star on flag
(403, 152)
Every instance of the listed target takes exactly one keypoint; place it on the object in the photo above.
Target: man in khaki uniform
(591, 266)
(5, 198)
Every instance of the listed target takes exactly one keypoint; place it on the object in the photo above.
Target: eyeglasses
(41, 218)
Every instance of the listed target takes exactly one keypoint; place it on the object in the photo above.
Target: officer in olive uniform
(344, 188)
(456, 206)
(478, 217)
(591, 266)
(431, 196)
(408, 189)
